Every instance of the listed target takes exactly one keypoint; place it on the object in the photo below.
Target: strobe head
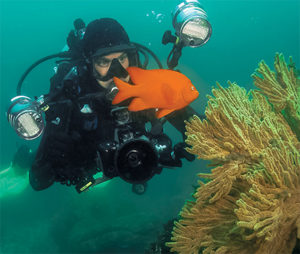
(25, 116)
(191, 24)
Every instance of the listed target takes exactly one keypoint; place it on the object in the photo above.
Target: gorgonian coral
(251, 201)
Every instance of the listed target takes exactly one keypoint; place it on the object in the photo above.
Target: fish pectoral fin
(163, 112)
(125, 91)
(169, 94)
(137, 104)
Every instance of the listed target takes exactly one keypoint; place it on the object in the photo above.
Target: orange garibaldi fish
(165, 90)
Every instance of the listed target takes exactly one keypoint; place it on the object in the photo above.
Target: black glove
(180, 152)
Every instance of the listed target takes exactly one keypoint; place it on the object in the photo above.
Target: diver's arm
(178, 117)
(55, 159)
(41, 174)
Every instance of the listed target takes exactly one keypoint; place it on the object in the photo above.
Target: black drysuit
(75, 128)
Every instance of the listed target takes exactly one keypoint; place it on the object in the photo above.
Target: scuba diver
(85, 134)
(94, 130)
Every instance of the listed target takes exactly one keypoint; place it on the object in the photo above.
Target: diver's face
(102, 65)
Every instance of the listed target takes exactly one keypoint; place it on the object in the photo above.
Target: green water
(112, 219)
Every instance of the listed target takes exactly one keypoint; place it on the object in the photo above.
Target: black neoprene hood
(104, 36)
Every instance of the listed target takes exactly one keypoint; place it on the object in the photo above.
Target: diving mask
(115, 70)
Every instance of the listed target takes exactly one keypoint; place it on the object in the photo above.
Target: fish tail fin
(125, 91)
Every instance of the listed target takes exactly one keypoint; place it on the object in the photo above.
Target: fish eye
(192, 88)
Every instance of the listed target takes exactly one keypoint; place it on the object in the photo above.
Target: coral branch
(251, 202)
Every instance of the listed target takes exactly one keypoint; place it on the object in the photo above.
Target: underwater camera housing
(135, 161)
(132, 155)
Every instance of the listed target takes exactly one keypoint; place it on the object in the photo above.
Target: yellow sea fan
(251, 203)
(281, 86)
(282, 89)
